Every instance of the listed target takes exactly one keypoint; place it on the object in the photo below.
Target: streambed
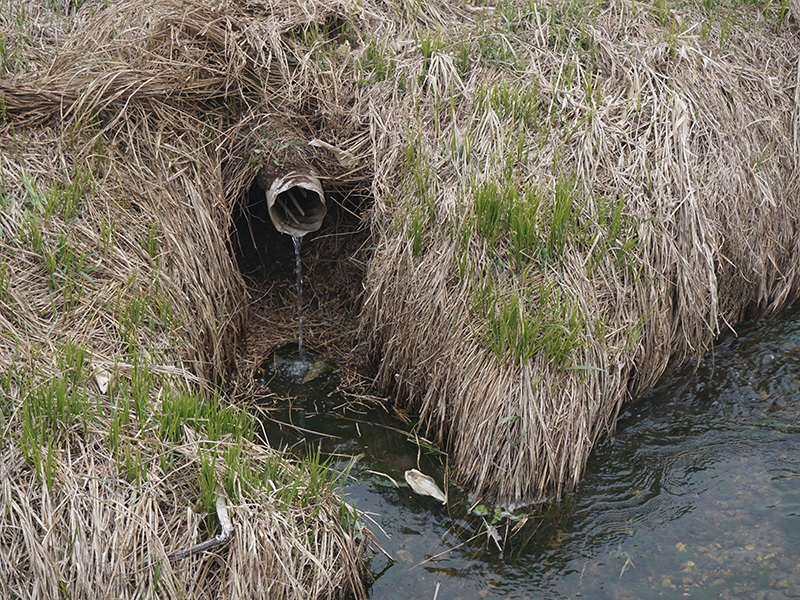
(696, 496)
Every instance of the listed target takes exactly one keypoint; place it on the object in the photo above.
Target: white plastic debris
(343, 156)
(102, 378)
(424, 485)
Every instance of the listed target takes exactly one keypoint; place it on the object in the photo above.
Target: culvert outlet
(296, 203)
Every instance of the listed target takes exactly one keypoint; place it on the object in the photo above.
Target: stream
(697, 495)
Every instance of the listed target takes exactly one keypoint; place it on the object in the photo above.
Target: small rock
(667, 583)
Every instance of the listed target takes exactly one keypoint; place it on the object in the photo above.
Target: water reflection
(697, 495)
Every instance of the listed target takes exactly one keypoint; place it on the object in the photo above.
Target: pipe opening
(265, 253)
(296, 203)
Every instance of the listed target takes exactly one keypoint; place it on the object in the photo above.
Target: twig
(223, 538)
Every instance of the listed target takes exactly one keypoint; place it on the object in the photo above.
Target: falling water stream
(298, 269)
(697, 495)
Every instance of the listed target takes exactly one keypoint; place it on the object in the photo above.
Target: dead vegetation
(565, 197)
(130, 134)
(587, 192)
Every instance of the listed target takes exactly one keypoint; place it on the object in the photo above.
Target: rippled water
(696, 496)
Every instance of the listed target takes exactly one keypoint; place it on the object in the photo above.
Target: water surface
(697, 495)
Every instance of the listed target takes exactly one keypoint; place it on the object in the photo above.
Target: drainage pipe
(296, 203)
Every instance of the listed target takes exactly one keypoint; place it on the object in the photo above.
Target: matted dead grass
(130, 133)
(566, 197)
(689, 127)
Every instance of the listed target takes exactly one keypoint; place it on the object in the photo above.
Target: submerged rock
(288, 371)
(319, 365)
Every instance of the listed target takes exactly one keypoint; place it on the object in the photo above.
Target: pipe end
(296, 203)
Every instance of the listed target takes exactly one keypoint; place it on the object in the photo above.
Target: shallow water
(696, 496)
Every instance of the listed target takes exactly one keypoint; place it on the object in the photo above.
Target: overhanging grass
(594, 180)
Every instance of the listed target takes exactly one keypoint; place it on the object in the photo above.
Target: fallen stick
(290, 214)
(296, 203)
(223, 538)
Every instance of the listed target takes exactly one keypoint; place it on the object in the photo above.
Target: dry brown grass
(692, 126)
(128, 137)
(169, 110)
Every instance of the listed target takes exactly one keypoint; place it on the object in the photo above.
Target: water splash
(298, 269)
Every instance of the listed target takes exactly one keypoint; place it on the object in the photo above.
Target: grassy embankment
(117, 438)
(567, 197)
(587, 192)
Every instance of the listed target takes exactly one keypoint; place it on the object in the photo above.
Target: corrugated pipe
(296, 203)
